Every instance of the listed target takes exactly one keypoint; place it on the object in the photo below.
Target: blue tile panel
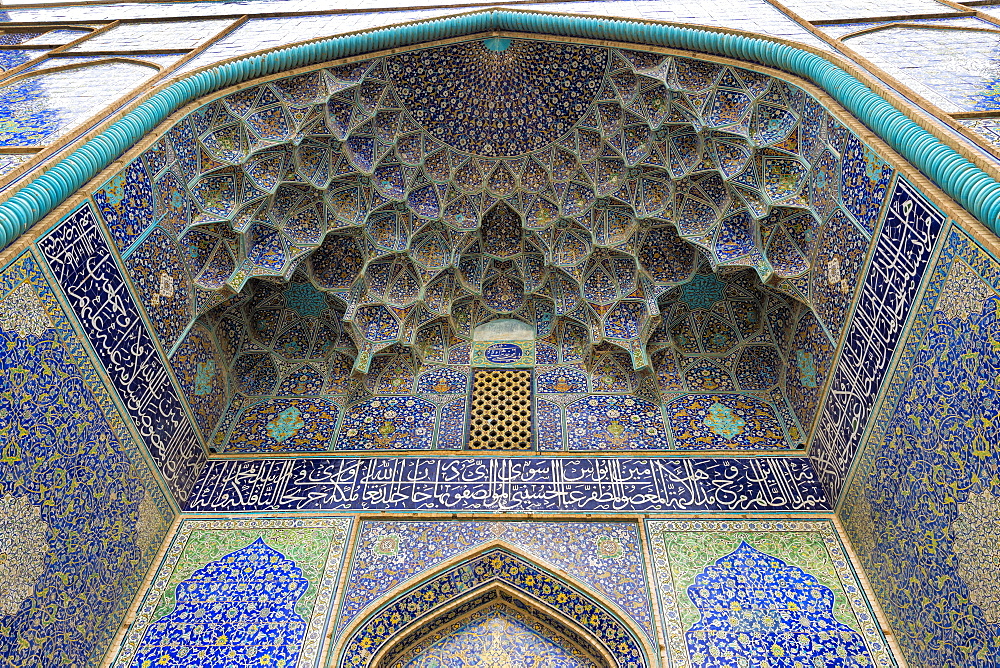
(265, 33)
(239, 610)
(166, 35)
(615, 423)
(756, 610)
(900, 256)
(9, 59)
(924, 59)
(520, 641)
(841, 29)
(535, 484)
(816, 10)
(80, 515)
(723, 421)
(57, 37)
(285, 424)
(923, 508)
(84, 266)
(14, 38)
(606, 557)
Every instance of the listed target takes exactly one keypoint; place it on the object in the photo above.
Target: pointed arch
(479, 606)
(497, 574)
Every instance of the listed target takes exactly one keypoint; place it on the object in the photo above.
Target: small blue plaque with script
(503, 353)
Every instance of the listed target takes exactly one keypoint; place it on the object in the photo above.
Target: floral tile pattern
(606, 557)
(261, 589)
(935, 440)
(71, 471)
(496, 566)
(787, 589)
(724, 421)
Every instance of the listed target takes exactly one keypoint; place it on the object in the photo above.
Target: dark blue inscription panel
(487, 484)
(905, 243)
(85, 268)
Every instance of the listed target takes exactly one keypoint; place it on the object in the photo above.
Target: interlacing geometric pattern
(458, 184)
(501, 410)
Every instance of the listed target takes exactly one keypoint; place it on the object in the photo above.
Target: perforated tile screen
(501, 410)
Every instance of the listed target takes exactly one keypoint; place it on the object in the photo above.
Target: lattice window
(501, 410)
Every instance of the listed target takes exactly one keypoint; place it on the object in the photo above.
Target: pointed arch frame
(464, 608)
(502, 567)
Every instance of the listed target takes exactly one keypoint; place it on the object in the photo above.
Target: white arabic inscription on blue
(503, 353)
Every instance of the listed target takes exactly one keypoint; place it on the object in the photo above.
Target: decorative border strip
(970, 186)
(495, 484)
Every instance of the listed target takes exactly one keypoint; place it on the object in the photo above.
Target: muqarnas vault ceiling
(660, 214)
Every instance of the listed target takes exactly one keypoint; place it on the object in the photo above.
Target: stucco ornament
(964, 292)
(22, 312)
(977, 547)
(23, 544)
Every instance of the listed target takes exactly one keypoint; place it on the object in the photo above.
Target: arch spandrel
(474, 580)
(570, 645)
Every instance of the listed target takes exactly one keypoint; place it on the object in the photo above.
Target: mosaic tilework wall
(307, 403)
(923, 507)
(264, 590)
(751, 593)
(896, 48)
(910, 228)
(439, 599)
(40, 109)
(86, 270)
(604, 556)
(250, 591)
(81, 515)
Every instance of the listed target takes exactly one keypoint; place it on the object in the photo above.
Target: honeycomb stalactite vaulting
(429, 192)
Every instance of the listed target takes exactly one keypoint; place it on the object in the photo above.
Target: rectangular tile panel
(508, 484)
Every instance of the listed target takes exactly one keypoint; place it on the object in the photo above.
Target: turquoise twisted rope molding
(971, 187)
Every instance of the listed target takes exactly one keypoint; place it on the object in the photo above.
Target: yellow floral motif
(22, 312)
